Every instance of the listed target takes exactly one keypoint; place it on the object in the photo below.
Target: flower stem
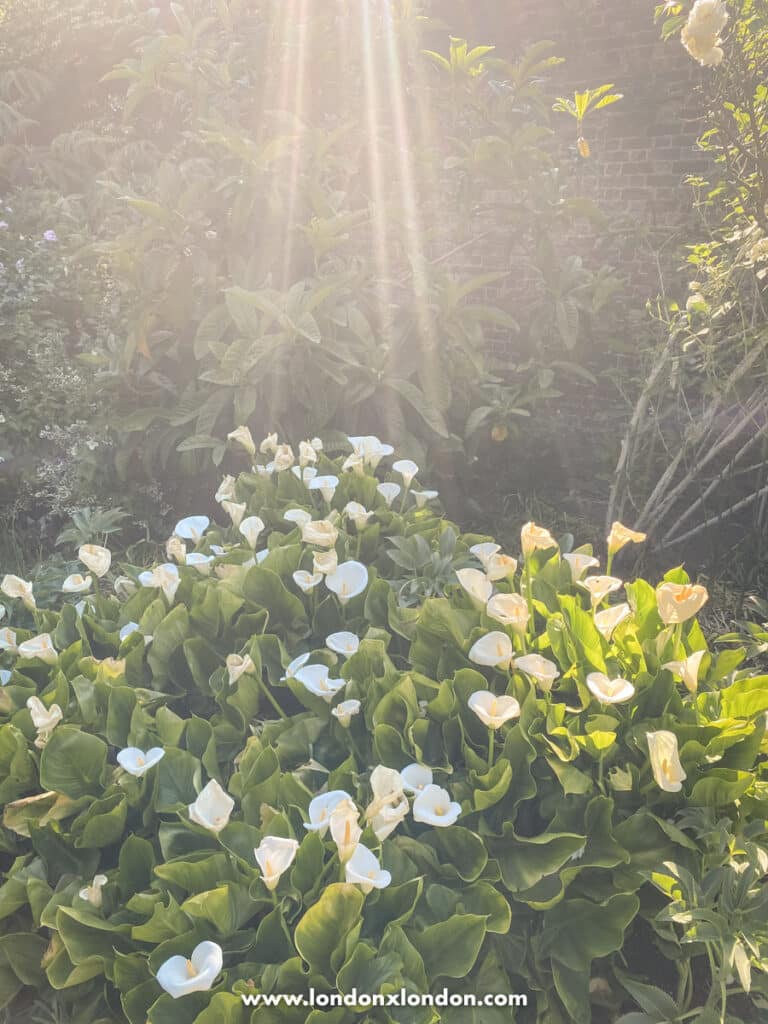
(491, 735)
(609, 563)
(270, 697)
(529, 594)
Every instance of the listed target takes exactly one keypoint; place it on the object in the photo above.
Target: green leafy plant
(559, 796)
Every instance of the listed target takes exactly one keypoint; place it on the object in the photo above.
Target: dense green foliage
(584, 870)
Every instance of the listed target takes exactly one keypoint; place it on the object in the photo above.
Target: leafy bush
(560, 797)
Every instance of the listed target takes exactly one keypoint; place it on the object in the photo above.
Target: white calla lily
(307, 581)
(358, 514)
(15, 587)
(283, 460)
(315, 678)
(422, 497)
(665, 760)
(274, 855)
(197, 560)
(493, 650)
(349, 580)
(484, 551)
(687, 670)
(41, 647)
(621, 535)
(500, 567)
(542, 670)
(511, 610)
(678, 602)
(294, 666)
(44, 719)
(298, 516)
(370, 449)
(320, 809)
(389, 492)
(578, 563)
(138, 762)
(344, 643)
(608, 619)
(235, 510)
(269, 445)
(166, 577)
(345, 828)
(92, 893)
(407, 470)
(212, 808)
(306, 474)
(179, 976)
(433, 806)
(238, 665)
(345, 711)
(363, 869)
(326, 485)
(307, 454)
(8, 640)
(243, 437)
(96, 558)
(476, 584)
(176, 549)
(416, 778)
(252, 528)
(535, 538)
(192, 528)
(599, 587)
(226, 490)
(493, 711)
(609, 691)
(76, 584)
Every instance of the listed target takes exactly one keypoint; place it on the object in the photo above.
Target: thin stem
(529, 593)
(270, 697)
(491, 735)
(609, 563)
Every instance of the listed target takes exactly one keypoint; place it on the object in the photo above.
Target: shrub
(599, 847)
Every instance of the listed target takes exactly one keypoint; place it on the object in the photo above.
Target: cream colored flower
(39, 647)
(665, 760)
(357, 514)
(542, 670)
(320, 532)
(389, 805)
(226, 491)
(268, 445)
(242, 436)
(578, 563)
(44, 719)
(534, 538)
(345, 711)
(321, 807)
(511, 610)
(476, 584)
(15, 587)
(95, 558)
(493, 711)
(687, 670)
(92, 893)
(483, 552)
(678, 602)
(345, 828)
(324, 562)
(235, 510)
(8, 640)
(370, 449)
(238, 665)
(600, 587)
(274, 855)
(609, 691)
(701, 33)
(500, 567)
(283, 459)
(176, 549)
(165, 576)
(493, 650)
(212, 808)
(76, 584)
(621, 535)
(608, 619)
(307, 454)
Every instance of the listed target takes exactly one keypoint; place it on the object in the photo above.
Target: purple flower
(50, 236)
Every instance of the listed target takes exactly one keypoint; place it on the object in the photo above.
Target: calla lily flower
(600, 587)
(165, 576)
(307, 581)
(325, 562)
(8, 640)
(500, 567)
(299, 516)
(355, 464)
(389, 805)
(511, 610)
(542, 670)
(176, 549)
(269, 444)
(238, 665)
(2, 612)
(179, 976)
(665, 761)
(483, 552)
(326, 485)
(687, 670)
(315, 679)
(39, 647)
(44, 719)
(76, 584)
(128, 629)
(212, 808)
(294, 666)
(363, 869)
(493, 711)
(422, 497)
(358, 514)
(578, 563)
(243, 437)
(307, 454)
(92, 893)
(621, 536)
(370, 449)
(534, 538)
(197, 560)
(320, 532)
(345, 711)
(283, 460)
(407, 470)
(95, 558)
(15, 587)
(678, 602)
(274, 855)
(321, 807)
(433, 806)
(345, 828)
(493, 650)
(348, 581)
(416, 778)
(344, 643)
(389, 492)
(192, 528)
(476, 584)
(226, 491)
(609, 691)
(608, 619)
(306, 474)
(235, 510)
(138, 762)
(252, 528)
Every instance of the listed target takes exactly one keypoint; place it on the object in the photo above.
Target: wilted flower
(95, 558)
(192, 528)
(235, 510)
(434, 806)
(15, 587)
(269, 444)
(320, 532)
(608, 619)
(621, 535)
(242, 436)
(76, 584)
(348, 581)
(542, 670)
(493, 711)
(533, 538)
(344, 643)
(324, 562)
(416, 778)
(274, 855)
(578, 563)
(701, 33)
(345, 711)
(326, 485)
(252, 528)
(44, 719)
(226, 491)
(306, 581)
(92, 893)
(124, 587)
(307, 454)
(39, 647)
(284, 458)
(476, 584)
(609, 691)
(389, 492)
(363, 869)
(238, 665)
(320, 810)
(511, 610)
(678, 602)
(179, 976)
(687, 670)
(176, 549)
(8, 640)
(138, 762)
(665, 760)
(493, 650)
(407, 470)
(315, 678)
(212, 808)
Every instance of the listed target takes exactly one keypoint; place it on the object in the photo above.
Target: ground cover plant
(334, 742)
